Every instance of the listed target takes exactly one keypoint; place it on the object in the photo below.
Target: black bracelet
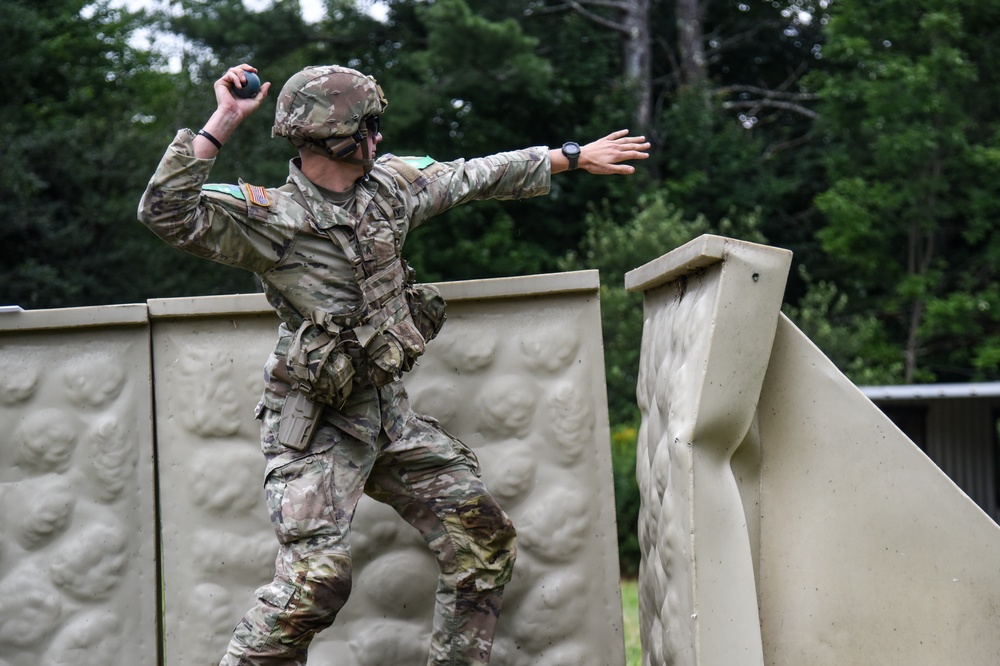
(218, 144)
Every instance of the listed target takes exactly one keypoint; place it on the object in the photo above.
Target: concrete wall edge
(199, 306)
(703, 251)
(524, 285)
(83, 317)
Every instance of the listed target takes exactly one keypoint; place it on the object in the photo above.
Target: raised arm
(230, 111)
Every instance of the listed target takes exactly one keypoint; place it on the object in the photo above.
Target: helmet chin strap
(342, 149)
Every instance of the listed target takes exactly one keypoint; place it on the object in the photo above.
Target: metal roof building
(956, 425)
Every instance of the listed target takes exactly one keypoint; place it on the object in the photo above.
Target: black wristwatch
(571, 150)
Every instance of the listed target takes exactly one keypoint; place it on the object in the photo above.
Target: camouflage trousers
(432, 481)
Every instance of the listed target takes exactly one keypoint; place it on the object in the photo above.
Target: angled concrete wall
(785, 520)
(892, 563)
(517, 373)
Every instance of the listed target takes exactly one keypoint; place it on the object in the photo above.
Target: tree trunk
(632, 23)
(691, 42)
(637, 49)
(920, 257)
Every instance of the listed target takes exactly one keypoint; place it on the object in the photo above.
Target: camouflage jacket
(268, 232)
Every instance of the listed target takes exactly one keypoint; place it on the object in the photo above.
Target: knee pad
(322, 586)
(303, 598)
(488, 544)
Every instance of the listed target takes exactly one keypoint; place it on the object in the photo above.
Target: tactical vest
(378, 340)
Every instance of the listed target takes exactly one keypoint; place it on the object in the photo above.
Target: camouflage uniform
(372, 442)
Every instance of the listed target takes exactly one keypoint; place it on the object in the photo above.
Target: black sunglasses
(371, 124)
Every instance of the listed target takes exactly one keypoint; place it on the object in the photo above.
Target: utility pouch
(317, 366)
(427, 309)
(298, 421)
(388, 360)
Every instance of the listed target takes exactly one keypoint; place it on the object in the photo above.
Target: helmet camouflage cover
(326, 101)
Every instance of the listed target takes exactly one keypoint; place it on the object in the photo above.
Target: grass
(630, 622)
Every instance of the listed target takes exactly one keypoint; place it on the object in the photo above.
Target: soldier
(335, 417)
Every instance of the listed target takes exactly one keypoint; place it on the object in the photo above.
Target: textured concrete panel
(77, 528)
(517, 374)
(859, 548)
(217, 544)
(869, 553)
(710, 313)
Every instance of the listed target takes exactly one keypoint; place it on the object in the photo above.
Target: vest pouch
(427, 309)
(387, 359)
(394, 352)
(317, 367)
(410, 341)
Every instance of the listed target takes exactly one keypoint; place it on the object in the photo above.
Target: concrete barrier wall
(710, 312)
(785, 520)
(869, 553)
(78, 581)
(517, 374)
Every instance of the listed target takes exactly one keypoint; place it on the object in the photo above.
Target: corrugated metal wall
(960, 435)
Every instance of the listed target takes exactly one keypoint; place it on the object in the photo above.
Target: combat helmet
(325, 109)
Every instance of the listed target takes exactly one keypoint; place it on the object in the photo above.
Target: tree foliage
(83, 116)
(912, 160)
(614, 249)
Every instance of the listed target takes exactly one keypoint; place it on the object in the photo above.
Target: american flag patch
(258, 195)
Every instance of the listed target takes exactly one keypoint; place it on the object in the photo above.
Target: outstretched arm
(605, 156)
(230, 112)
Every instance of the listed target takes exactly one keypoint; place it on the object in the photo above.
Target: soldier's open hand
(606, 155)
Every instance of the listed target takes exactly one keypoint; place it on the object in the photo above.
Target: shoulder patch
(257, 195)
(419, 162)
(232, 190)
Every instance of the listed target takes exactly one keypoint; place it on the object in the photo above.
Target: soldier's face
(373, 140)
(372, 133)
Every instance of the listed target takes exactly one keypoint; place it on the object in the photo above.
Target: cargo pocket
(299, 500)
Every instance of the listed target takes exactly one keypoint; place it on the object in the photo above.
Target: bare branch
(575, 6)
(613, 4)
(731, 42)
(793, 76)
(772, 104)
(595, 18)
(782, 146)
(766, 93)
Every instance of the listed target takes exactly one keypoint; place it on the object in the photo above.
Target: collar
(325, 214)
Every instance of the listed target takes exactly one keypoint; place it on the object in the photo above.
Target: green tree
(72, 163)
(515, 90)
(913, 162)
(442, 102)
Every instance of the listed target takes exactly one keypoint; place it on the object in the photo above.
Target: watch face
(571, 149)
